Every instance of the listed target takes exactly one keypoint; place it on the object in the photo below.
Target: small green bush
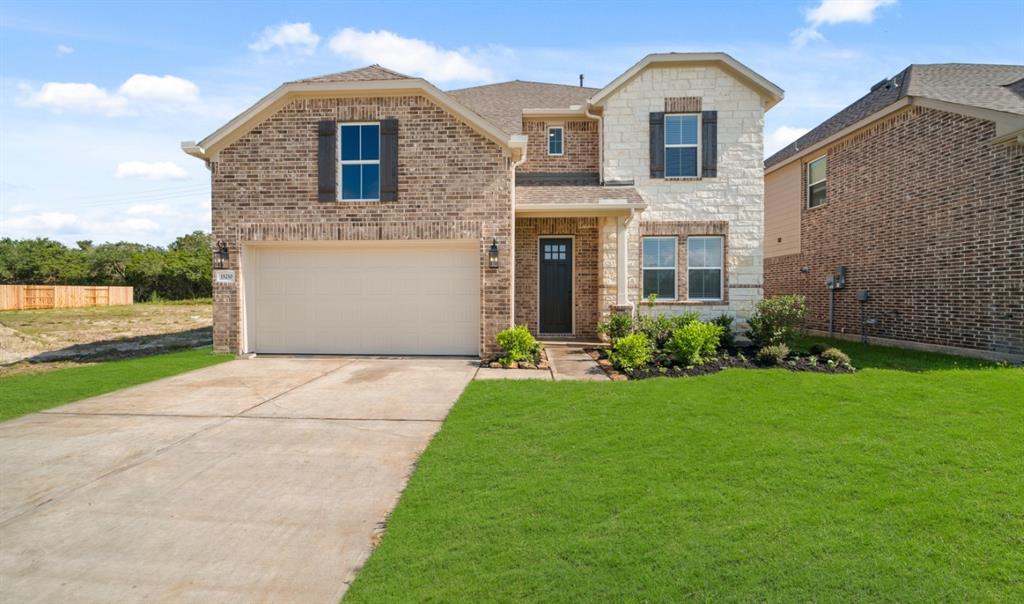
(835, 355)
(695, 343)
(519, 345)
(773, 354)
(619, 325)
(728, 338)
(817, 349)
(658, 328)
(778, 320)
(631, 352)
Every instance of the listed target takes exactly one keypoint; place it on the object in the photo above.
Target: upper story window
(556, 136)
(682, 145)
(359, 176)
(816, 182)
(704, 267)
(659, 267)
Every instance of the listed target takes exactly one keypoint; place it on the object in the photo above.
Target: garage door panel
(365, 300)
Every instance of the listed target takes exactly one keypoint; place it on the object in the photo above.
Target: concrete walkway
(256, 480)
(570, 362)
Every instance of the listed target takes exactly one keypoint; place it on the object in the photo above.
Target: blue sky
(96, 98)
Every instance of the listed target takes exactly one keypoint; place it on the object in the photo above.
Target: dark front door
(556, 286)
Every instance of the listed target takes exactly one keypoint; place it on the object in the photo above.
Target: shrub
(817, 349)
(518, 344)
(619, 325)
(777, 320)
(773, 354)
(835, 355)
(631, 352)
(658, 328)
(695, 343)
(728, 338)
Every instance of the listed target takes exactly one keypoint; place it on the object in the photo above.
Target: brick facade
(580, 146)
(584, 232)
(927, 216)
(453, 184)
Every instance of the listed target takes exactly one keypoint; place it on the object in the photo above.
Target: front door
(555, 286)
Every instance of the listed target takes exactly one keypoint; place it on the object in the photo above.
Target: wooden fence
(27, 297)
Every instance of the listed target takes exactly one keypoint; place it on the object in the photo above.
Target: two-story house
(370, 212)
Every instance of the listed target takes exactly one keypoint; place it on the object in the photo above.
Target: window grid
(659, 268)
(699, 268)
(556, 144)
(362, 172)
(683, 118)
(554, 251)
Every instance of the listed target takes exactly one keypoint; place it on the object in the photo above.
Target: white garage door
(366, 298)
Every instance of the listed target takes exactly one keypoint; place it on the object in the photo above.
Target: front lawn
(21, 394)
(901, 482)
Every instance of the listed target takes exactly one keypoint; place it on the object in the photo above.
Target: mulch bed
(663, 365)
(542, 363)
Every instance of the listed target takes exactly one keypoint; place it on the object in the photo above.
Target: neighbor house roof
(504, 103)
(986, 87)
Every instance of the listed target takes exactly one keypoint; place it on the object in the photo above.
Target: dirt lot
(39, 340)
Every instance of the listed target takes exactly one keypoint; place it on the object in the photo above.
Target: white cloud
(63, 49)
(151, 209)
(46, 222)
(409, 55)
(299, 36)
(140, 89)
(832, 12)
(143, 225)
(782, 136)
(63, 96)
(157, 170)
(159, 88)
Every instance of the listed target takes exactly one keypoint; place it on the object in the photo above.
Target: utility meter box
(863, 295)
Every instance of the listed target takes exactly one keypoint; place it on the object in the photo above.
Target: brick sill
(685, 303)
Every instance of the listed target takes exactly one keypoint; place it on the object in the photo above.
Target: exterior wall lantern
(492, 254)
(220, 255)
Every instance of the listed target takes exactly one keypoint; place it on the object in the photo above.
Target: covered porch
(570, 256)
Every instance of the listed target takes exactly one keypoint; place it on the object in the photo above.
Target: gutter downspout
(522, 140)
(600, 142)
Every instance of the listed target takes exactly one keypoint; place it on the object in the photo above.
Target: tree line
(181, 271)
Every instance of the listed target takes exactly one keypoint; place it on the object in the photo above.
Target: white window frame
(562, 130)
(823, 180)
(358, 162)
(720, 268)
(674, 268)
(674, 146)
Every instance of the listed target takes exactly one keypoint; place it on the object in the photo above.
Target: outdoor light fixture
(220, 255)
(492, 254)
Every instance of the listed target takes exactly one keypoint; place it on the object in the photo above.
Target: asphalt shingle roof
(363, 74)
(995, 87)
(503, 104)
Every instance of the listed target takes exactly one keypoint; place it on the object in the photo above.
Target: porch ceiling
(568, 200)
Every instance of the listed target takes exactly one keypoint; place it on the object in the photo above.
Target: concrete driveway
(261, 480)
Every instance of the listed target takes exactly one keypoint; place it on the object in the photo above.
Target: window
(359, 176)
(554, 251)
(555, 138)
(704, 268)
(816, 176)
(660, 267)
(682, 145)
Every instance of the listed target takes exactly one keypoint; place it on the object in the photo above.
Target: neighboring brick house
(917, 189)
(370, 212)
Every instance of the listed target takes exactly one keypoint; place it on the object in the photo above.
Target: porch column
(621, 260)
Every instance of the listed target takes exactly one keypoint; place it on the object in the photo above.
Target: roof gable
(369, 73)
(503, 103)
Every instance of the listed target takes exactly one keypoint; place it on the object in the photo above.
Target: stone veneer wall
(927, 216)
(735, 196)
(585, 269)
(579, 145)
(453, 184)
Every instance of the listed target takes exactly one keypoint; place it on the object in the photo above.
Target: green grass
(21, 394)
(901, 482)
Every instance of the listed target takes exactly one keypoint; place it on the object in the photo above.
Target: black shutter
(389, 160)
(658, 145)
(709, 146)
(327, 161)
